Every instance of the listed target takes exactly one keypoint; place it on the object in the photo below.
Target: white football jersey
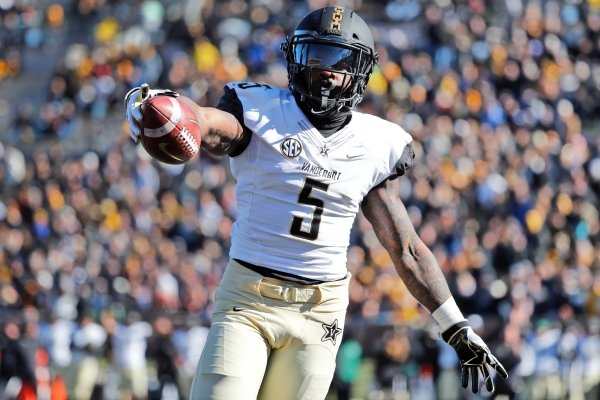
(298, 192)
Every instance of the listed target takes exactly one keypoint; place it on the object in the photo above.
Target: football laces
(188, 142)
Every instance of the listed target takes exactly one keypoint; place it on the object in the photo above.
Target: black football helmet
(332, 39)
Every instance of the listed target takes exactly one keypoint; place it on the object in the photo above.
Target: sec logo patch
(291, 148)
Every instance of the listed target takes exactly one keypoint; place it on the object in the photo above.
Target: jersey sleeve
(388, 142)
(405, 162)
(231, 103)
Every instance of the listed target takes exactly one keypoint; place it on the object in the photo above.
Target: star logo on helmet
(331, 332)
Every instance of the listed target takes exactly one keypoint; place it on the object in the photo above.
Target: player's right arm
(222, 131)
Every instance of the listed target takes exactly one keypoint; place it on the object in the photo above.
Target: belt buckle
(286, 294)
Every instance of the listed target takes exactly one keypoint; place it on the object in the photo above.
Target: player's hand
(133, 106)
(474, 355)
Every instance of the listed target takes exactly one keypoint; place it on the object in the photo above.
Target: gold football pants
(271, 339)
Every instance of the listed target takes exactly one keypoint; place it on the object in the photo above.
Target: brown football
(170, 131)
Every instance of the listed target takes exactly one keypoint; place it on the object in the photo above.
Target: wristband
(448, 314)
(449, 333)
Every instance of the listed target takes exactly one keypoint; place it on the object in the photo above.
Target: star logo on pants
(331, 332)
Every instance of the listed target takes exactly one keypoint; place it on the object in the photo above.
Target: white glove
(133, 107)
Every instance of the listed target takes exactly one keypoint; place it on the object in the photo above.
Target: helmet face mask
(336, 40)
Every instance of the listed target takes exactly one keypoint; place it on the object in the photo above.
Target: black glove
(474, 355)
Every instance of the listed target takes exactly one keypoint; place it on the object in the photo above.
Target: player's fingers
(145, 89)
(134, 132)
(131, 96)
(500, 369)
(474, 379)
(465, 377)
(487, 378)
(136, 113)
(494, 363)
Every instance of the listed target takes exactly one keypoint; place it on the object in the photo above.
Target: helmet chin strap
(324, 110)
(327, 104)
(324, 98)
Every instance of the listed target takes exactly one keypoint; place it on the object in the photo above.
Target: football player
(305, 163)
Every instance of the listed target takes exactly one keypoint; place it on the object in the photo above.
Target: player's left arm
(414, 261)
(419, 269)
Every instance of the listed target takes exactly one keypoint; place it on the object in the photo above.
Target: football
(170, 132)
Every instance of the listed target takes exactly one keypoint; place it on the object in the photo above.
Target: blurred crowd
(109, 260)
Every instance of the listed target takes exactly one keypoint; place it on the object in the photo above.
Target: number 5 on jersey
(305, 198)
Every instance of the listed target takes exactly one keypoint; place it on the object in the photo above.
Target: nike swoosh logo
(163, 147)
(236, 308)
(351, 156)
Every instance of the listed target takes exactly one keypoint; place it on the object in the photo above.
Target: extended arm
(421, 273)
(222, 133)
